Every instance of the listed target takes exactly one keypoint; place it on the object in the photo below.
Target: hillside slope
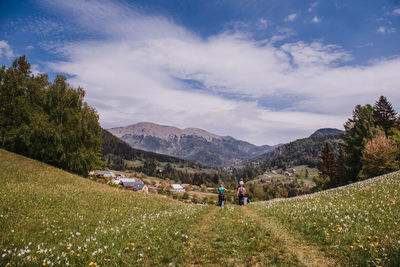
(359, 223)
(305, 151)
(191, 143)
(51, 217)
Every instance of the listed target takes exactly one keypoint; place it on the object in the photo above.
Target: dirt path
(306, 253)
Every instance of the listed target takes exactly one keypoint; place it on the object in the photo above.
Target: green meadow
(51, 217)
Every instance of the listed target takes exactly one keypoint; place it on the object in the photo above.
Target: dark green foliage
(304, 151)
(358, 130)
(384, 114)
(328, 173)
(47, 121)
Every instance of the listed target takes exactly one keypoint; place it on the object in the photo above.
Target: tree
(327, 175)
(358, 131)
(384, 114)
(379, 157)
(47, 121)
(341, 169)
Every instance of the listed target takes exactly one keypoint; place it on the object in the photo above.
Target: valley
(51, 217)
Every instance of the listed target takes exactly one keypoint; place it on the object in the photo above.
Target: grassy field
(280, 177)
(50, 217)
(358, 223)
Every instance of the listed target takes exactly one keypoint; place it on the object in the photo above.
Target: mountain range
(191, 143)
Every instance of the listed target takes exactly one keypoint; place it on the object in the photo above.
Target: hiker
(221, 196)
(241, 193)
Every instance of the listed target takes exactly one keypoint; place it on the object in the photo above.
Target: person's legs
(222, 203)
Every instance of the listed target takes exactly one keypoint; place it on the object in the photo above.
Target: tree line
(48, 121)
(371, 147)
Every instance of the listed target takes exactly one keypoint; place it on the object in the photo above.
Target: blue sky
(262, 71)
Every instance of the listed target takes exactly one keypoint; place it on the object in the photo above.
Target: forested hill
(119, 150)
(305, 151)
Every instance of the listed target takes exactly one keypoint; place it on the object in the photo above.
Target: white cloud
(312, 6)
(263, 21)
(396, 11)
(315, 20)
(291, 17)
(6, 50)
(383, 30)
(138, 73)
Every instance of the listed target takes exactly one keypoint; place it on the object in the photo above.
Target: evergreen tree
(384, 114)
(327, 175)
(341, 169)
(358, 131)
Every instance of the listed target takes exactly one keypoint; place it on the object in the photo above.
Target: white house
(177, 188)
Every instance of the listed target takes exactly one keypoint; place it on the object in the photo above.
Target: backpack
(241, 191)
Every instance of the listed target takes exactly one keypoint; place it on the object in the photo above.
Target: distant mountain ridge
(326, 131)
(191, 143)
(305, 151)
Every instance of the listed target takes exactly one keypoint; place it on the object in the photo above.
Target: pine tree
(384, 114)
(327, 175)
(358, 131)
(341, 169)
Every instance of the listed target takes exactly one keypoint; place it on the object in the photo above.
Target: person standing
(221, 196)
(241, 193)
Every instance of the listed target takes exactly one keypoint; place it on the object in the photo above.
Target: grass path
(306, 253)
(238, 236)
(232, 237)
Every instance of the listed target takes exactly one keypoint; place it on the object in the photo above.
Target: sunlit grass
(360, 223)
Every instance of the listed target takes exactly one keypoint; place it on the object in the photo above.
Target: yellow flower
(85, 250)
(44, 264)
(351, 247)
(68, 248)
(78, 255)
(126, 248)
(91, 263)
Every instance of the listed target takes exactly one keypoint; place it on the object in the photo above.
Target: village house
(177, 188)
(121, 180)
(135, 185)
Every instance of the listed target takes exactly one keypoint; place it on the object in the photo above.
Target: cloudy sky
(266, 72)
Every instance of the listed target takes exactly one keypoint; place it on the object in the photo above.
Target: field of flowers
(50, 217)
(359, 224)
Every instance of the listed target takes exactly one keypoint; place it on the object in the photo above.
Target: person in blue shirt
(221, 196)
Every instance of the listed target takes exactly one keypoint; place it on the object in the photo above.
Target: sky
(266, 72)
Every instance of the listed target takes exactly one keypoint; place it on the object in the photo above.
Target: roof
(176, 186)
(127, 179)
(135, 185)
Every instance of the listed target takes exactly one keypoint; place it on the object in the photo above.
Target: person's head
(241, 183)
(222, 185)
